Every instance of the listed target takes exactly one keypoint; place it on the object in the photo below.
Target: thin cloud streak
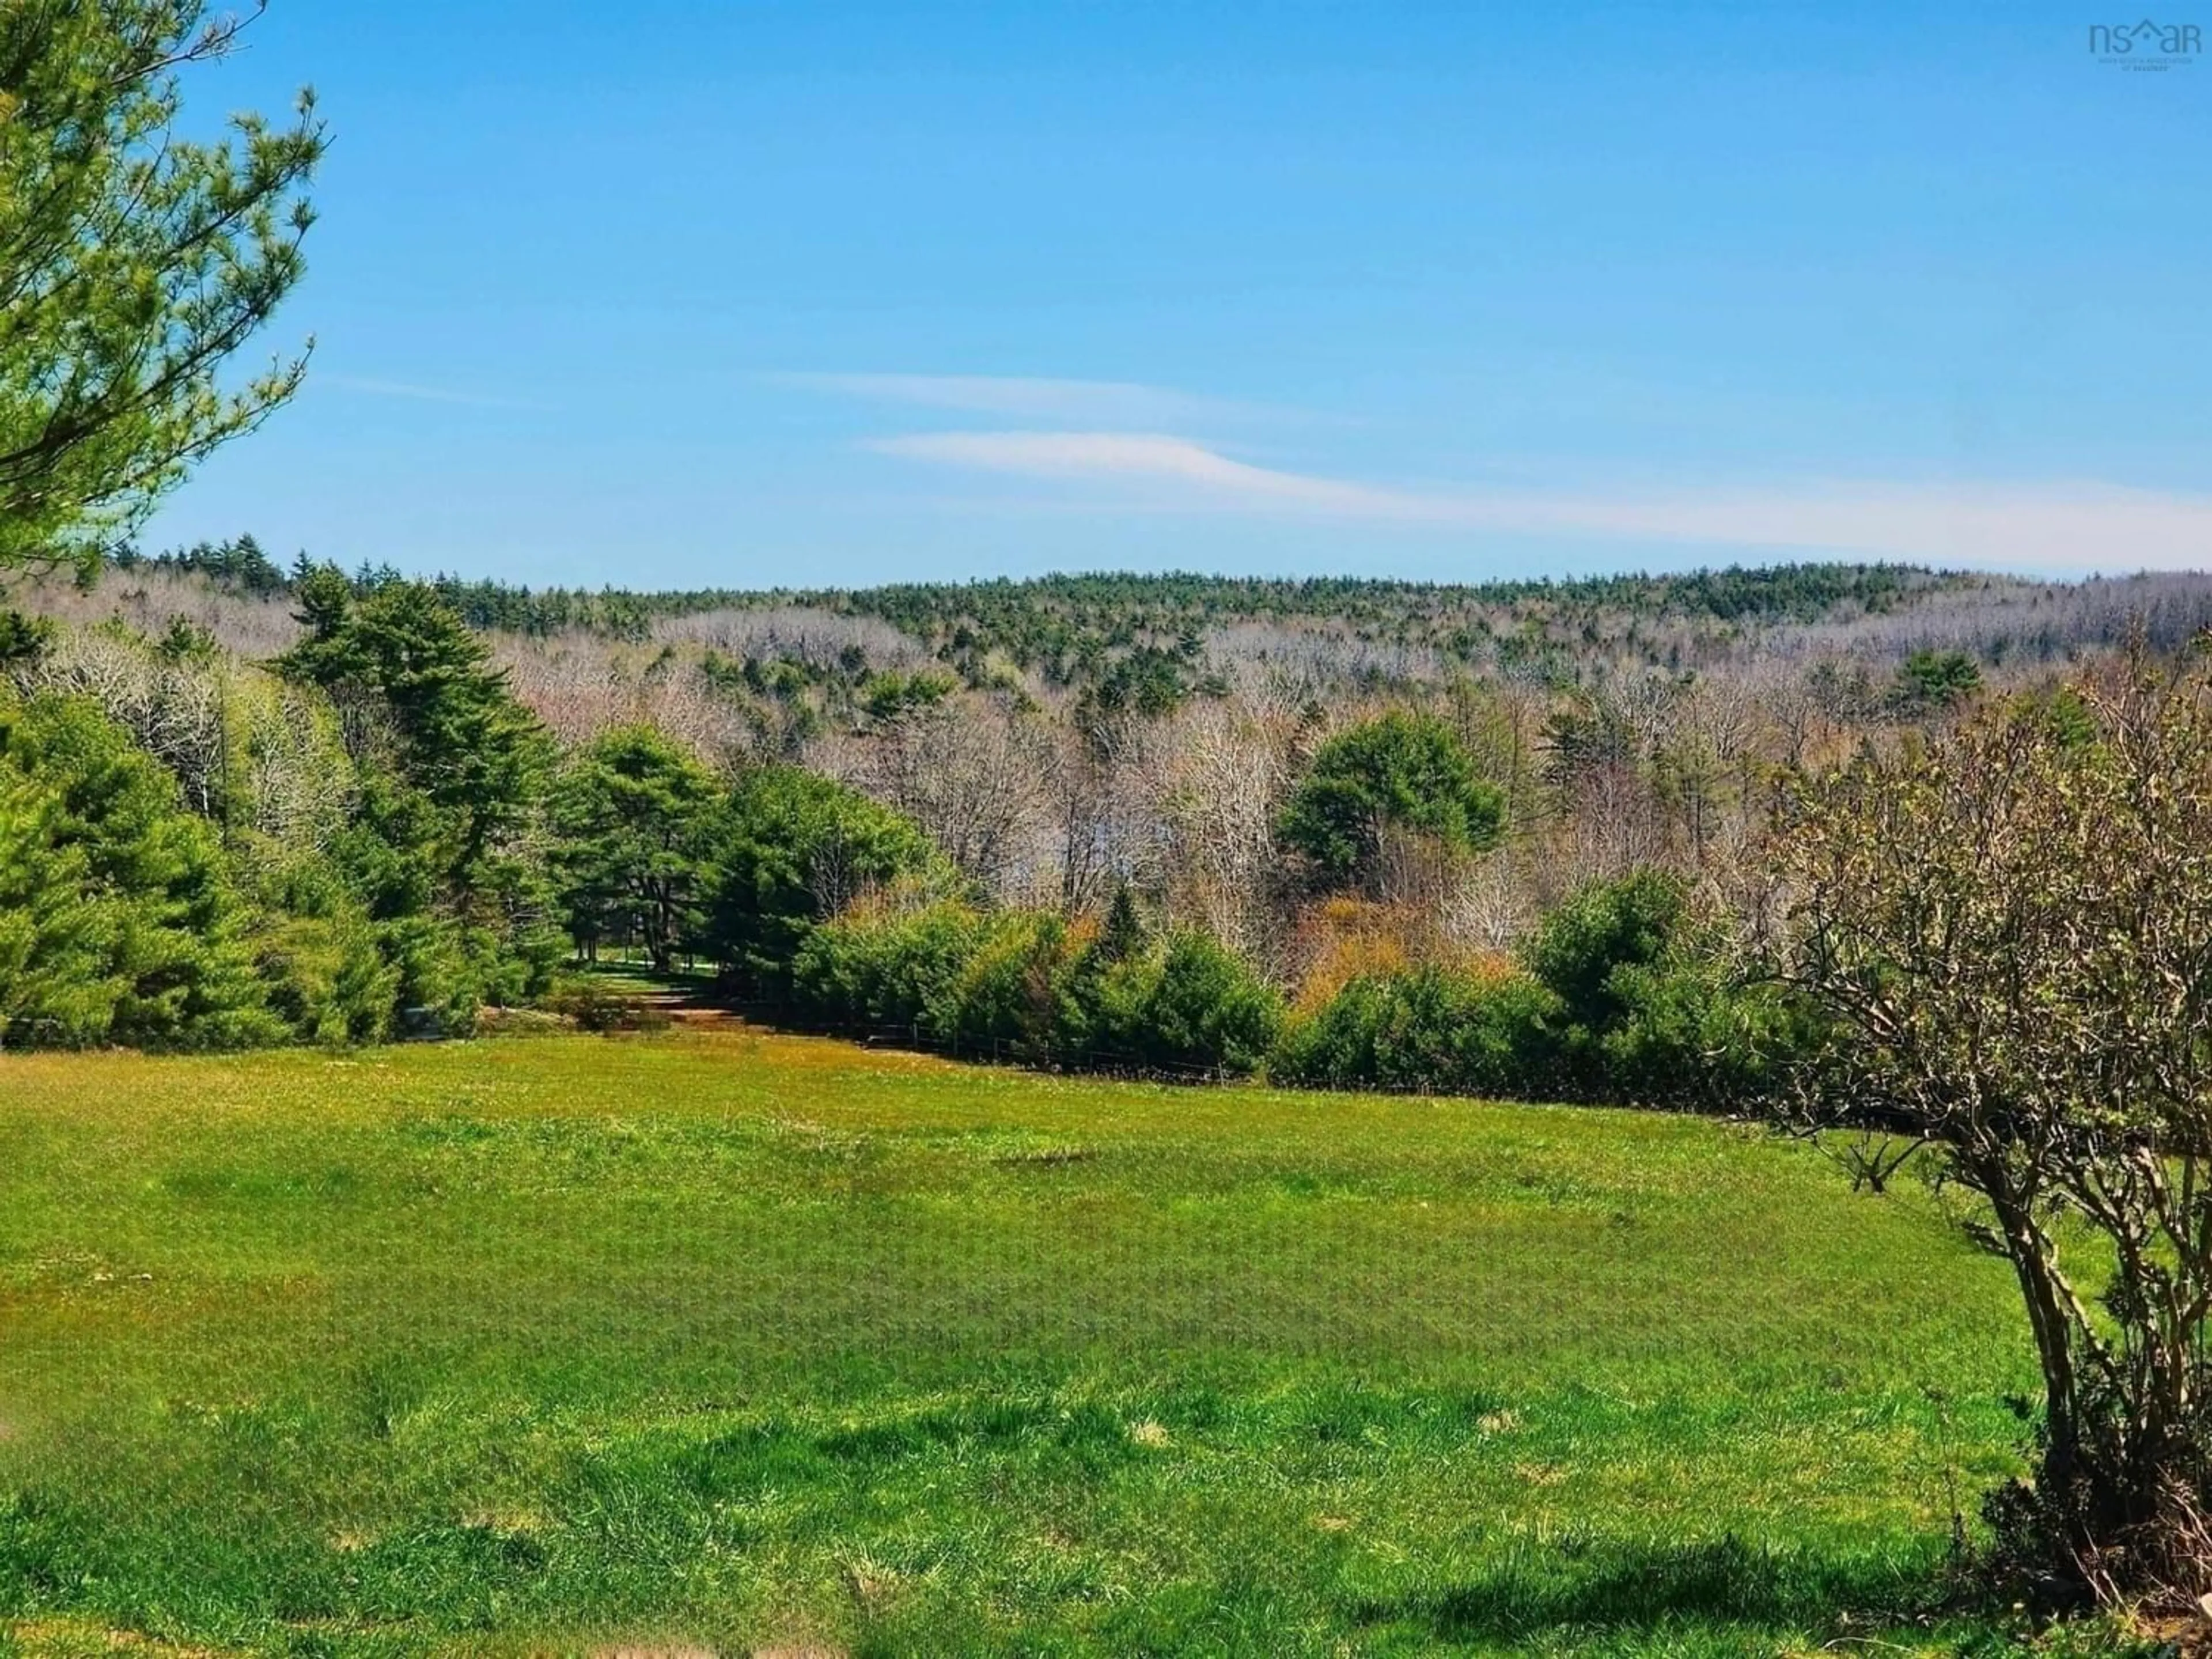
(1110, 402)
(421, 394)
(2075, 527)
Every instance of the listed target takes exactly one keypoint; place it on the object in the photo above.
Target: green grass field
(714, 1342)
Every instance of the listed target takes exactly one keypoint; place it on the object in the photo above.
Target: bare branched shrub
(147, 598)
(1217, 775)
(2010, 924)
(583, 686)
(294, 781)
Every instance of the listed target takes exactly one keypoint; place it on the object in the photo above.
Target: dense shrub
(508, 933)
(1007, 1000)
(388, 857)
(55, 931)
(326, 979)
(438, 978)
(320, 956)
(1429, 1029)
(1586, 949)
(888, 975)
(1650, 1010)
(1690, 1036)
(1342, 938)
(1106, 1004)
(1030, 985)
(1204, 1009)
(1624, 994)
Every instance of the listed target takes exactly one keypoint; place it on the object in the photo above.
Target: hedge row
(1620, 996)
(1031, 987)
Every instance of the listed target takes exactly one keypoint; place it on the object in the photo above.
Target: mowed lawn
(716, 1342)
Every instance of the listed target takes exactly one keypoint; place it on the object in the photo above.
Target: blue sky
(757, 294)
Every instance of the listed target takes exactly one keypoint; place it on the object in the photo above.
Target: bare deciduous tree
(1219, 775)
(174, 710)
(975, 775)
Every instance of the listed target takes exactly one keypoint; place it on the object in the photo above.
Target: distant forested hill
(1154, 640)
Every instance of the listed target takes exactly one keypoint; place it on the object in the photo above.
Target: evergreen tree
(790, 850)
(138, 262)
(453, 771)
(55, 931)
(1122, 936)
(1402, 769)
(1929, 682)
(459, 734)
(22, 639)
(129, 929)
(629, 818)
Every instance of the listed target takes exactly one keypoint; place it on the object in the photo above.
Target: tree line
(372, 834)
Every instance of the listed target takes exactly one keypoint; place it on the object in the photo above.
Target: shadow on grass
(1623, 1587)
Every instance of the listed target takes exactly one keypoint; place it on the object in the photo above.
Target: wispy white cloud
(421, 394)
(1141, 457)
(2072, 525)
(1099, 403)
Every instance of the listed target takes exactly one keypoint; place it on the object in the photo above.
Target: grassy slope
(713, 1339)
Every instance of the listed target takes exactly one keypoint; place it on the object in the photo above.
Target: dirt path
(694, 1009)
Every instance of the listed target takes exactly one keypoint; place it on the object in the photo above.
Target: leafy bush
(1691, 1037)
(1030, 985)
(1204, 1009)
(1581, 949)
(1649, 1011)
(1428, 1029)
(326, 979)
(1007, 1000)
(320, 956)
(1624, 994)
(872, 973)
